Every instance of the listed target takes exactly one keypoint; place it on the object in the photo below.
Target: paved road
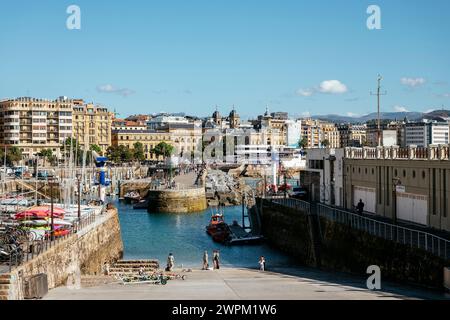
(245, 284)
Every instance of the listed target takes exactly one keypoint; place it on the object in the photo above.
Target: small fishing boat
(132, 197)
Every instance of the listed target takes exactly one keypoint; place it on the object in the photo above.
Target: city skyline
(298, 57)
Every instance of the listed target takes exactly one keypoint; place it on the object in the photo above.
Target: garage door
(367, 195)
(412, 207)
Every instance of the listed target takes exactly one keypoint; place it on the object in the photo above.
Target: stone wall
(177, 201)
(288, 230)
(342, 248)
(82, 253)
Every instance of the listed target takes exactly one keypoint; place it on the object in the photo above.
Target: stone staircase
(5, 282)
(132, 267)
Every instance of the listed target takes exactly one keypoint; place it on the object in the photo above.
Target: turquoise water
(154, 236)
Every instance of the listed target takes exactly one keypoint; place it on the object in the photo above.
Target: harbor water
(155, 235)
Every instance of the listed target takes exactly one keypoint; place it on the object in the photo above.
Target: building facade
(422, 134)
(35, 124)
(92, 124)
(410, 185)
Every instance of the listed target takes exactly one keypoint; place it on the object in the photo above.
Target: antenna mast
(379, 94)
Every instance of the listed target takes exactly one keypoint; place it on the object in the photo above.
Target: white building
(323, 176)
(293, 132)
(422, 134)
(162, 120)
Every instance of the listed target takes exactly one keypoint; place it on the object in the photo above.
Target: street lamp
(395, 182)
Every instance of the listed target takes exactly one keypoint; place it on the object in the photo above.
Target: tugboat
(217, 228)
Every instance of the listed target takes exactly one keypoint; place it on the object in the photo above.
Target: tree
(326, 143)
(96, 148)
(163, 149)
(138, 151)
(46, 154)
(113, 154)
(13, 154)
(126, 155)
(303, 143)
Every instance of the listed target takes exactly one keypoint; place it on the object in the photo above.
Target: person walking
(262, 263)
(170, 262)
(360, 206)
(216, 259)
(205, 260)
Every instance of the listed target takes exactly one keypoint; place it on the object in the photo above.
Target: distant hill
(412, 116)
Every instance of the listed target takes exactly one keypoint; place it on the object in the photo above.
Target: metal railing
(33, 246)
(414, 238)
(292, 203)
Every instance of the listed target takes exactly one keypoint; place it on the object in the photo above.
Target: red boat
(216, 222)
(217, 228)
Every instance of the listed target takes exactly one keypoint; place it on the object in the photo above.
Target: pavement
(186, 180)
(248, 284)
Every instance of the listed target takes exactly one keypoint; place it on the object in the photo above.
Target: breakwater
(177, 201)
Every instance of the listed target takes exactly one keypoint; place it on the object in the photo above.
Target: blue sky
(191, 55)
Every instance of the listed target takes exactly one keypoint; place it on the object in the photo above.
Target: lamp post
(395, 182)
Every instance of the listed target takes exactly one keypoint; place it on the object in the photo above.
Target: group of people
(216, 264)
(215, 259)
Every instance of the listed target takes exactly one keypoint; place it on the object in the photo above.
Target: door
(412, 208)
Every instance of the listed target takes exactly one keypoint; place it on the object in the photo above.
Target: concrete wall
(84, 252)
(419, 177)
(338, 247)
(177, 201)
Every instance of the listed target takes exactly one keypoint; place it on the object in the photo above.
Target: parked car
(299, 193)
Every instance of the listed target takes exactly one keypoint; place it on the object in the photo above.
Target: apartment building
(318, 132)
(92, 124)
(352, 135)
(424, 133)
(35, 124)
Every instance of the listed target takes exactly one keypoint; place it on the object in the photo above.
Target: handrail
(400, 234)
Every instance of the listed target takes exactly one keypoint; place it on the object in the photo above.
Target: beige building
(148, 138)
(92, 124)
(352, 135)
(405, 184)
(35, 124)
(316, 132)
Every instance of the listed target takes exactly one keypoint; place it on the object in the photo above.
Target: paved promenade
(245, 284)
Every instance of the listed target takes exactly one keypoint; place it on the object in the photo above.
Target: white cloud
(429, 110)
(333, 87)
(326, 87)
(352, 115)
(305, 92)
(412, 82)
(400, 109)
(109, 88)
